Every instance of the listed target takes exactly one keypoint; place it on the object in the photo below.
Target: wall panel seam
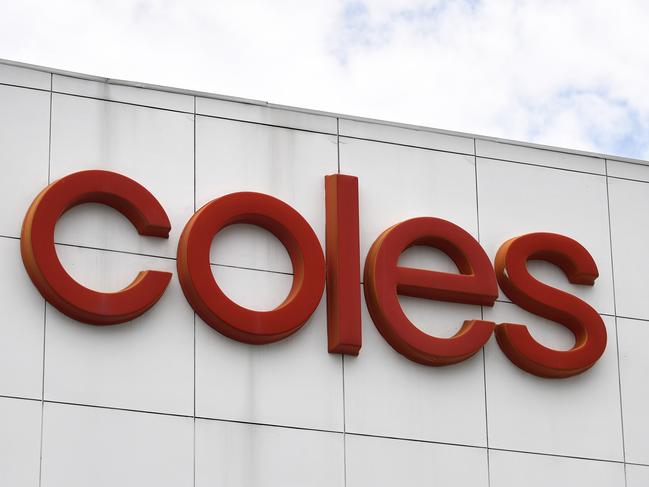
(617, 335)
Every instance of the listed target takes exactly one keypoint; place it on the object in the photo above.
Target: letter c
(45, 269)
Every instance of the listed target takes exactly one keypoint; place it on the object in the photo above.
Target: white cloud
(569, 73)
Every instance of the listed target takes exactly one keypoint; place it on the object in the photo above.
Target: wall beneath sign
(165, 400)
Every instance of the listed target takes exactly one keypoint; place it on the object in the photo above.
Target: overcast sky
(558, 72)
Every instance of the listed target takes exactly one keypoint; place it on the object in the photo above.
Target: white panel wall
(166, 400)
(20, 441)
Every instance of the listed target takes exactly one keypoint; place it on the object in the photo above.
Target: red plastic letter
(343, 265)
(45, 269)
(209, 301)
(551, 303)
(384, 280)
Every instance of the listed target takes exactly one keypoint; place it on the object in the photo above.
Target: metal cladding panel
(166, 399)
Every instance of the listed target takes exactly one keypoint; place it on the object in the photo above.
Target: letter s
(551, 303)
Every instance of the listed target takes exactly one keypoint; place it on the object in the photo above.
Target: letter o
(211, 303)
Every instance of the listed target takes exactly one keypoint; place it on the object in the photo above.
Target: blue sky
(571, 73)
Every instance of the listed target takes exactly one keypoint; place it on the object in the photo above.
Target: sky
(569, 73)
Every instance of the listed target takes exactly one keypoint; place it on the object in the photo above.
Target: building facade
(166, 400)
